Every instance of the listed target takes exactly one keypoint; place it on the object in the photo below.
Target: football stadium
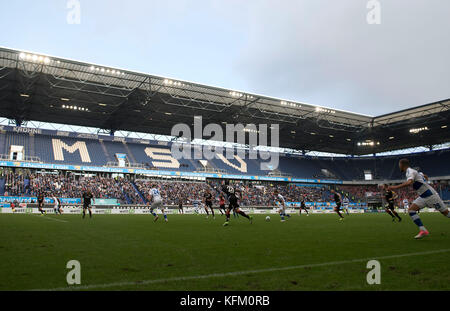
(224, 154)
(311, 220)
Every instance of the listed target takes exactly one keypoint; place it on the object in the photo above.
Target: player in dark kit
(40, 199)
(87, 197)
(390, 197)
(338, 201)
(303, 205)
(222, 204)
(180, 205)
(208, 201)
(230, 191)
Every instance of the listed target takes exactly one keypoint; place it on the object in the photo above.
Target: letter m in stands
(79, 146)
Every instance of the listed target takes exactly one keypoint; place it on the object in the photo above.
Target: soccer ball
(268, 218)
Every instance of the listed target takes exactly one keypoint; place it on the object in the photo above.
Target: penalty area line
(237, 273)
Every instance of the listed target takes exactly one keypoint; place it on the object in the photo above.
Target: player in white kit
(196, 204)
(156, 202)
(427, 196)
(282, 206)
(57, 205)
(406, 205)
(345, 204)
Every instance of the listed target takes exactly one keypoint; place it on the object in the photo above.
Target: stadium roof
(37, 87)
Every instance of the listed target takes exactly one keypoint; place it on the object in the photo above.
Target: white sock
(448, 215)
(422, 228)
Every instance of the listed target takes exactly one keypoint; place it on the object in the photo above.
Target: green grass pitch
(130, 252)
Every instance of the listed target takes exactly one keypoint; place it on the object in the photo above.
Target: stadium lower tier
(33, 146)
(29, 208)
(15, 187)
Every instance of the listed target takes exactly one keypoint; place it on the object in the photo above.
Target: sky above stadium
(321, 52)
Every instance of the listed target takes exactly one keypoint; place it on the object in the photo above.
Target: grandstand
(68, 126)
(128, 117)
(51, 147)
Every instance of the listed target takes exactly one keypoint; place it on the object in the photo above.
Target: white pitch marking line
(46, 217)
(220, 275)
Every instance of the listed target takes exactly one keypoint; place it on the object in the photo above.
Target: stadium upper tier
(52, 147)
(35, 87)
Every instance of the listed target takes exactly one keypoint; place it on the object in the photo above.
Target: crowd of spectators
(250, 194)
(69, 186)
(72, 187)
(133, 195)
(15, 184)
(411, 195)
(137, 192)
(358, 193)
(172, 192)
(262, 194)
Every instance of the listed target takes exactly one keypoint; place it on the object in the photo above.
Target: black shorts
(303, 206)
(40, 204)
(208, 204)
(222, 206)
(233, 202)
(338, 205)
(86, 206)
(390, 206)
(180, 206)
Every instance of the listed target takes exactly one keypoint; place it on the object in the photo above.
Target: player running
(345, 204)
(156, 202)
(87, 199)
(338, 200)
(40, 199)
(208, 203)
(235, 215)
(406, 205)
(282, 205)
(303, 205)
(221, 204)
(230, 191)
(180, 205)
(390, 197)
(196, 205)
(427, 196)
(57, 205)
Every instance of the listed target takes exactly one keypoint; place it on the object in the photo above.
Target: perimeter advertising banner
(4, 199)
(140, 210)
(325, 205)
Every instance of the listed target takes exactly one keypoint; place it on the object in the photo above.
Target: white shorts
(157, 203)
(433, 201)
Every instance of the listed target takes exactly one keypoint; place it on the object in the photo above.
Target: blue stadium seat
(432, 163)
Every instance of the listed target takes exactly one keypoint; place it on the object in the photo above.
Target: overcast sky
(321, 52)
